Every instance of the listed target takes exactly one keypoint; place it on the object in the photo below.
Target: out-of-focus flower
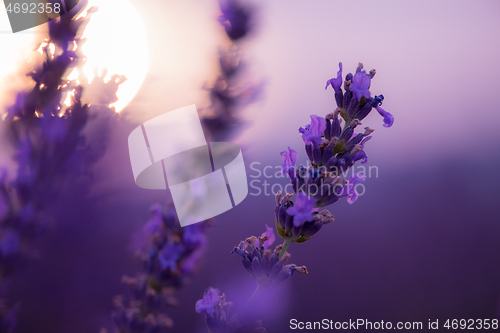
(171, 257)
(207, 303)
(267, 267)
(217, 317)
(336, 84)
(356, 102)
(234, 88)
(50, 140)
(154, 225)
(235, 18)
(332, 147)
(136, 316)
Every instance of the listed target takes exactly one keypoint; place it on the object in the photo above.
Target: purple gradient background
(422, 243)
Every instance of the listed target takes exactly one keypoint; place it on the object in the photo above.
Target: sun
(14, 52)
(116, 41)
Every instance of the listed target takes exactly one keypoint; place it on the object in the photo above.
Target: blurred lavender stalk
(49, 146)
(174, 252)
(233, 89)
(170, 258)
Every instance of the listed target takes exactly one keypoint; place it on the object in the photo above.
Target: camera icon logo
(205, 179)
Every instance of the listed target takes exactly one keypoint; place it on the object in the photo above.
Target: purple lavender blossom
(289, 159)
(235, 18)
(233, 89)
(360, 85)
(138, 315)
(218, 319)
(270, 237)
(302, 210)
(302, 232)
(207, 303)
(388, 118)
(170, 257)
(311, 134)
(349, 190)
(267, 267)
(336, 83)
(48, 140)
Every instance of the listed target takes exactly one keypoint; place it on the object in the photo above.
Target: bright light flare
(116, 40)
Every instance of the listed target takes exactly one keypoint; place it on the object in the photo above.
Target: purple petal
(312, 133)
(336, 83)
(360, 85)
(362, 143)
(207, 303)
(302, 209)
(269, 233)
(388, 118)
(360, 155)
(289, 159)
(349, 189)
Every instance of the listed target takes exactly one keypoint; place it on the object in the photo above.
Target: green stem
(346, 124)
(286, 244)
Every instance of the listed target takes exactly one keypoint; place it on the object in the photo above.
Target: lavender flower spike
(207, 303)
(349, 189)
(312, 133)
(302, 211)
(388, 118)
(289, 159)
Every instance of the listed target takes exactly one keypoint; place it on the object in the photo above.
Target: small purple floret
(361, 84)
(169, 256)
(388, 118)
(312, 132)
(336, 83)
(302, 210)
(270, 234)
(349, 189)
(289, 159)
(207, 303)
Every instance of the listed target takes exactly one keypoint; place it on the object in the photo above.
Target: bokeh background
(421, 243)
